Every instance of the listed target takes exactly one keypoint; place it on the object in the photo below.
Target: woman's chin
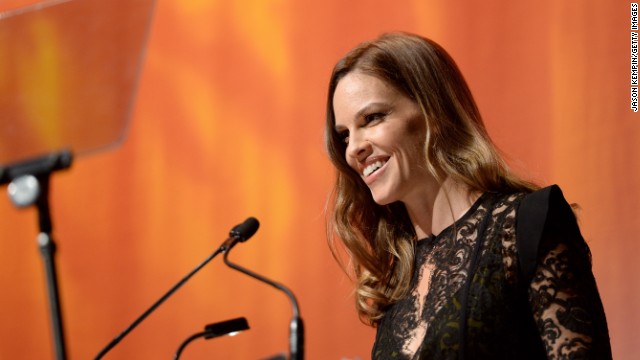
(382, 199)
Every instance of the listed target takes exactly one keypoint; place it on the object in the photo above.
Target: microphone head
(245, 230)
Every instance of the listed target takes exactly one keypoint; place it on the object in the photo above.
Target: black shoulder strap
(533, 214)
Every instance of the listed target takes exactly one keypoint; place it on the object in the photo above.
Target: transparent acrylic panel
(68, 74)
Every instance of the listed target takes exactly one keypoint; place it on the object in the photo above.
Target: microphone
(239, 233)
(296, 327)
(229, 327)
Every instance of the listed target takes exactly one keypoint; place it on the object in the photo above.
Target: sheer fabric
(470, 299)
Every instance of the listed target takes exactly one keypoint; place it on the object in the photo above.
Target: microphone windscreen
(245, 230)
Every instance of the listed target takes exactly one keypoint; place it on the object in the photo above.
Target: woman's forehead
(357, 92)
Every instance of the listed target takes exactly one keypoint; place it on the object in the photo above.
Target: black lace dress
(503, 310)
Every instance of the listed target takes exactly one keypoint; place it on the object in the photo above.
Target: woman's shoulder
(546, 209)
(536, 204)
(543, 214)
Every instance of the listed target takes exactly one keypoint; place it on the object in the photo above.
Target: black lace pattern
(467, 300)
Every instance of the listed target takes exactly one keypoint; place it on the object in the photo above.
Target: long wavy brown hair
(379, 240)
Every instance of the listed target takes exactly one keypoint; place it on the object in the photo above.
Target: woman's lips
(374, 169)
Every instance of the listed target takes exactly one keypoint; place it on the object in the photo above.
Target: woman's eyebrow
(360, 113)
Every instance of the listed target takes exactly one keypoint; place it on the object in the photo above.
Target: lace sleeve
(566, 305)
(563, 295)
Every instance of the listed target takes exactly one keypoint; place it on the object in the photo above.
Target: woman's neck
(439, 206)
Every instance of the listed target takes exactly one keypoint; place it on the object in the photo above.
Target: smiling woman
(368, 111)
(453, 255)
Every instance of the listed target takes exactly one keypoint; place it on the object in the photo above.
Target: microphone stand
(144, 315)
(240, 232)
(29, 185)
(296, 327)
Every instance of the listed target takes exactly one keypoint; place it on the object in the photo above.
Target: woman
(454, 257)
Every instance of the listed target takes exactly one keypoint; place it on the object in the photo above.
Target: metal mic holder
(29, 185)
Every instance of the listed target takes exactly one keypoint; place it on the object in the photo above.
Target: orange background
(228, 124)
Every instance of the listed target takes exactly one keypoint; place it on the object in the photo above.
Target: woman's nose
(358, 148)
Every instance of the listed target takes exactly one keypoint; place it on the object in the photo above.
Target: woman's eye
(373, 117)
(344, 137)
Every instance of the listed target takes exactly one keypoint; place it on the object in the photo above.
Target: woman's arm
(563, 295)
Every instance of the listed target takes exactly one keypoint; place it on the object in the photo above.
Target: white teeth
(371, 168)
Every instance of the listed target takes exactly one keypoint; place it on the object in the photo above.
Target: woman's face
(385, 133)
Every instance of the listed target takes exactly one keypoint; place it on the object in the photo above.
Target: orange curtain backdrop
(228, 124)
